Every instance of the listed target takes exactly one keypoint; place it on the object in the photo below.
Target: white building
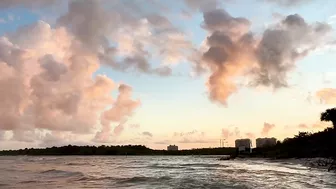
(265, 142)
(172, 148)
(244, 145)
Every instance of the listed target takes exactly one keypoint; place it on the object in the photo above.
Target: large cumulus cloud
(234, 51)
(47, 83)
(47, 79)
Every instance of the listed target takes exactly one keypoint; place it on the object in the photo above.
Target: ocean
(48, 172)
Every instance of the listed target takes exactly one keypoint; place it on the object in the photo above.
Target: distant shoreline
(129, 150)
(303, 145)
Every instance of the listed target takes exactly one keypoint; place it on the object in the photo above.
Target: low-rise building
(172, 148)
(244, 145)
(265, 142)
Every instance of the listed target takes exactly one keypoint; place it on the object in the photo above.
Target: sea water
(34, 172)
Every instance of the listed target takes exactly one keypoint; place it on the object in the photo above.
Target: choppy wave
(160, 166)
(93, 178)
(28, 181)
(142, 179)
(186, 166)
(158, 172)
(121, 180)
(77, 163)
(201, 165)
(61, 173)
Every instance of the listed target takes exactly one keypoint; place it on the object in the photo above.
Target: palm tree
(329, 115)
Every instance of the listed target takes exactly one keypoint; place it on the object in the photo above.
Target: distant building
(172, 148)
(265, 142)
(244, 145)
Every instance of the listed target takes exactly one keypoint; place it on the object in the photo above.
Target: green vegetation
(303, 145)
(116, 150)
(329, 115)
(306, 145)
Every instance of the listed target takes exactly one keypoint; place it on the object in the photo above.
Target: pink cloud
(118, 129)
(303, 126)
(327, 95)
(267, 128)
(250, 135)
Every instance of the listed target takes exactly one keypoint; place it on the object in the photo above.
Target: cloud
(303, 126)
(163, 142)
(26, 136)
(225, 133)
(2, 135)
(122, 108)
(201, 5)
(135, 126)
(193, 136)
(332, 20)
(327, 95)
(250, 135)
(131, 42)
(181, 134)
(233, 51)
(321, 125)
(315, 126)
(325, 78)
(4, 4)
(267, 128)
(55, 138)
(231, 133)
(47, 73)
(97, 26)
(148, 134)
(193, 141)
(229, 48)
(48, 81)
(2, 21)
(118, 129)
(282, 46)
(288, 3)
(47, 84)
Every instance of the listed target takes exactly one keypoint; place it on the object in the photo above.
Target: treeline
(303, 145)
(115, 150)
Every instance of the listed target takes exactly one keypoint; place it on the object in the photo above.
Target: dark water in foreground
(157, 172)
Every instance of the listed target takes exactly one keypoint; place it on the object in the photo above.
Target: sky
(149, 72)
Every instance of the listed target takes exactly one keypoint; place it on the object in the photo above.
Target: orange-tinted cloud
(321, 125)
(234, 52)
(327, 95)
(229, 52)
(267, 128)
(99, 25)
(48, 85)
(250, 135)
(122, 108)
(193, 136)
(303, 126)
